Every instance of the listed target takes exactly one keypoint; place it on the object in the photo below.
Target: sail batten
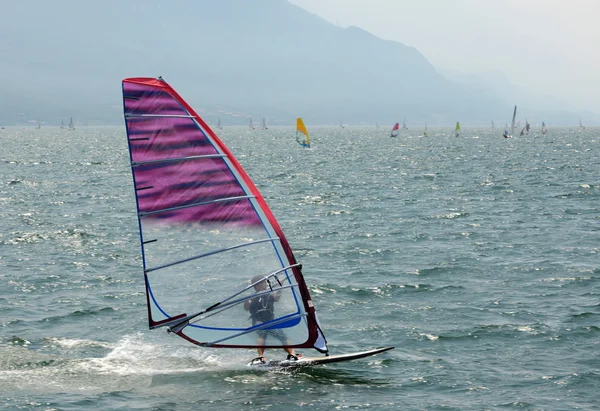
(156, 115)
(257, 328)
(176, 159)
(218, 200)
(222, 250)
(210, 229)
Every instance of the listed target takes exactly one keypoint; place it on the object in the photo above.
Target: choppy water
(477, 257)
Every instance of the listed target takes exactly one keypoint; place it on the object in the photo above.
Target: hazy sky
(549, 46)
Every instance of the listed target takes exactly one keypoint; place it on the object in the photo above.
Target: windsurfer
(262, 309)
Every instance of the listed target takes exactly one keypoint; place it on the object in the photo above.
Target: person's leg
(260, 348)
(280, 335)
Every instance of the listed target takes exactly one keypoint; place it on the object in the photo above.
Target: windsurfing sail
(493, 125)
(250, 125)
(219, 126)
(425, 133)
(341, 125)
(263, 125)
(512, 125)
(544, 128)
(404, 125)
(301, 129)
(377, 125)
(71, 125)
(395, 130)
(526, 129)
(208, 238)
(457, 129)
(62, 123)
(581, 126)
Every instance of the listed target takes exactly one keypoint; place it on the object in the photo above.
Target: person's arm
(247, 305)
(277, 295)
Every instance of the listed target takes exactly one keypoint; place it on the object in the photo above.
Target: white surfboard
(310, 361)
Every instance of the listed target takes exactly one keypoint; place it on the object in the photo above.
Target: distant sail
(493, 125)
(395, 130)
(425, 133)
(62, 123)
(404, 125)
(581, 126)
(544, 128)
(525, 130)
(377, 125)
(301, 129)
(341, 125)
(207, 235)
(457, 129)
(263, 125)
(219, 126)
(71, 125)
(512, 125)
(250, 125)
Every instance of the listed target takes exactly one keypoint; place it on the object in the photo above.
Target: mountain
(261, 58)
(531, 105)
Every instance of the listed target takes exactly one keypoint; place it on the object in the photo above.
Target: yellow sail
(300, 128)
(457, 126)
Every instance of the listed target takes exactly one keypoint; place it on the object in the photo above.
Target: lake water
(478, 257)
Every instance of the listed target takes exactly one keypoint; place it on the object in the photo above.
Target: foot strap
(261, 360)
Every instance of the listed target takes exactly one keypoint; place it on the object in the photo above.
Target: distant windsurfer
(303, 143)
(262, 309)
(505, 135)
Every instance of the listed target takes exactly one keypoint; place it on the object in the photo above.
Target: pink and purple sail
(206, 230)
